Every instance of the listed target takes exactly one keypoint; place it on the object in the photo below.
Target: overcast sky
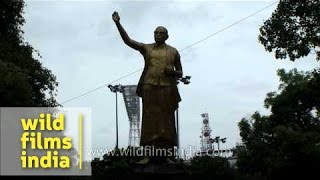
(231, 72)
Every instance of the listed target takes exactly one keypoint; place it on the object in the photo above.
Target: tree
(24, 80)
(286, 141)
(211, 167)
(293, 29)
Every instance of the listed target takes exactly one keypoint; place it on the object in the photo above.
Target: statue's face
(160, 34)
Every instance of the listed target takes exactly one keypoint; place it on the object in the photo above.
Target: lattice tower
(206, 143)
(132, 104)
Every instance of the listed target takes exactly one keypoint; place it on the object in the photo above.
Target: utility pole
(115, 89)
(186, 81)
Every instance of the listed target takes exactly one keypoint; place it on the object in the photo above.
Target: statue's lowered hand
(115, 16)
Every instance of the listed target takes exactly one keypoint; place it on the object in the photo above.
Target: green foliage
(286, 141)
(115, 163)
(24, 81)
(211, 167)
(14, 85)
(293, 29)
(118, 163)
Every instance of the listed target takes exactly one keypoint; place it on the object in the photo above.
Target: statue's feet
(144, 161)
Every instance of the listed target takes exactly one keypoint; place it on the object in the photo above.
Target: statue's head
(161, 34)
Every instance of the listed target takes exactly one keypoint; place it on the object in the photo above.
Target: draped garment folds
(160, 96)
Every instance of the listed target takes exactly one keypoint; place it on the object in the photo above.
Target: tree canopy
(24, 80)
(287, 141)
(293, 30)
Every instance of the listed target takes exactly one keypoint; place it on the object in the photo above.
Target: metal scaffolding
(132, 103)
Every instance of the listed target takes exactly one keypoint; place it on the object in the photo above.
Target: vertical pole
(177, 126)
(178, 141)
(116, 120)
(219, 146)
(177, 114)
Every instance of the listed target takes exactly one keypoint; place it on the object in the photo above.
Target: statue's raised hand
(115, 16)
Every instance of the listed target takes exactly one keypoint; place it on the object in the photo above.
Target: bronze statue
(158, 89)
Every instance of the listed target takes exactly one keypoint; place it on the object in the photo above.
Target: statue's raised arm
(130, 42)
